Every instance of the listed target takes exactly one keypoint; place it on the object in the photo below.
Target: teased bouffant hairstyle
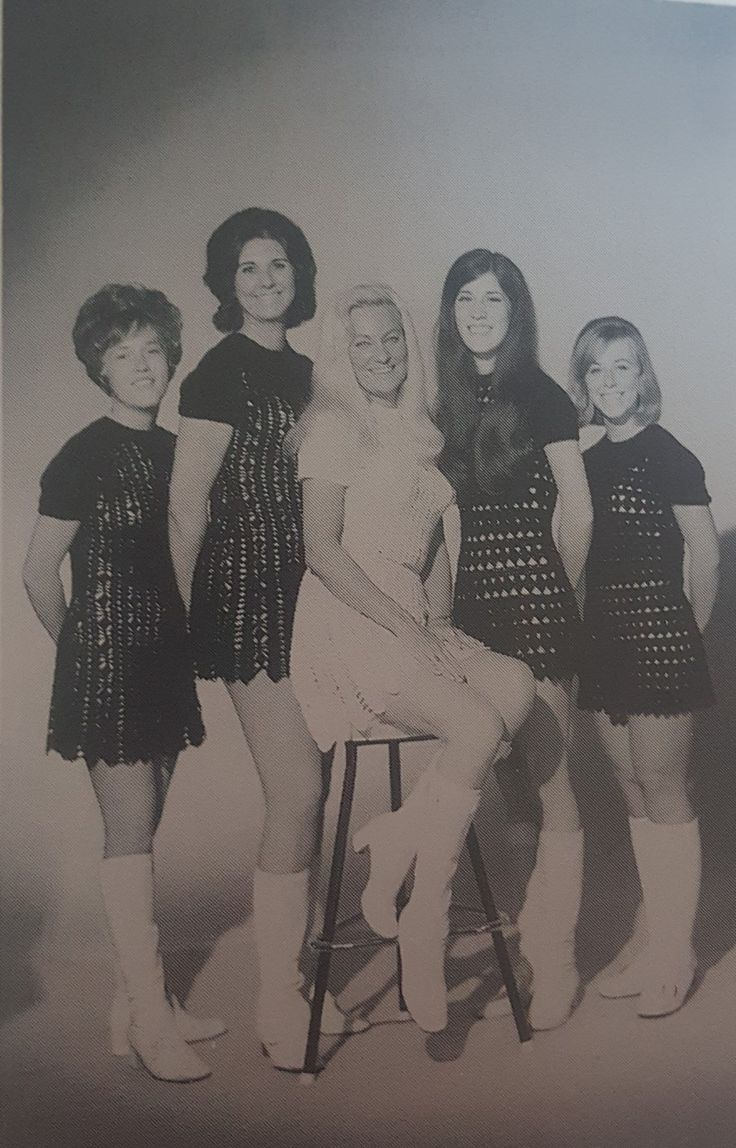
(116, 310)
(484, 446)
(223, 254)
(594, 336)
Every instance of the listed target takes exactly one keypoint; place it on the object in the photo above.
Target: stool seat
(326, 943)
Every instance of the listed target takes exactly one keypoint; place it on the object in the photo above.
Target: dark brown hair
(487, 446)
(223, 254)
(116, 310)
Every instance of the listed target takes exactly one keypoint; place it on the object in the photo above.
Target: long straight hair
(484, 446)
(336, 395)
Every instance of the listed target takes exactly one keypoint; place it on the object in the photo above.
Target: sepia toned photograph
(368, 574)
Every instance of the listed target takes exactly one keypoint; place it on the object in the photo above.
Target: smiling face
(136, 370)
(613, 380)
(378, 351)
(482, 314)
(264, 281)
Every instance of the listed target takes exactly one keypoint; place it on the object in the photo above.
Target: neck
(132, 417)
(620, 431)
(485, 364)
(383, 401)
(272, 336)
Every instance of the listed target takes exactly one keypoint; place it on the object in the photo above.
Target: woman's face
(264, 281)
(482, 314)
(614, 378)
(136, 369)
(378, 350)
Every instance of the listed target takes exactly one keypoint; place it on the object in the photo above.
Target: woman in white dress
(372, 640)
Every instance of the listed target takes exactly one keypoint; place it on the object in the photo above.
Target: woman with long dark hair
(124, 698)
(645, 671)
(373, 642)
(236, 542)
(511, 452)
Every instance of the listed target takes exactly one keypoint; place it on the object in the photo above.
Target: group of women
(289, 541)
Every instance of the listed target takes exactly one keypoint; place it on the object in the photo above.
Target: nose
(478, 310)
(141, 362)
(380, 354)
(266, 277)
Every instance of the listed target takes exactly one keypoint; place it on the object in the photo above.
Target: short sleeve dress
(252, 557)
(511, 590)
(644, 652)
(344, 664)
(123, 683)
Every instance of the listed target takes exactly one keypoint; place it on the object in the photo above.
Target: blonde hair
(335, 390)
(600, 332)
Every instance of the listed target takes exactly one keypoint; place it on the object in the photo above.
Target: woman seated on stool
(372, 640)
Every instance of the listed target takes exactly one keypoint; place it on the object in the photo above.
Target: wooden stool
(326, 943)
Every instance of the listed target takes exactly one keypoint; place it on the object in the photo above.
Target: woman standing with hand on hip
(645, 671)
(236, 542)
(124, 698)
(511, 451)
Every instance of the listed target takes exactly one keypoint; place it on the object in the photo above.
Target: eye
(280, 264)
(594, 370)
(463, 298)
(247, 268)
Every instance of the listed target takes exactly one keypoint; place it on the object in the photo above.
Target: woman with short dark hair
(511, 451)
(645, 671)
(236, 542)
(124, 697)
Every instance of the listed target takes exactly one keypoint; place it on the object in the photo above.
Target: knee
(301, 807)
(477, 728)
(658, 783)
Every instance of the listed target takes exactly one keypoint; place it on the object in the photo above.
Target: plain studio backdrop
(594, 143)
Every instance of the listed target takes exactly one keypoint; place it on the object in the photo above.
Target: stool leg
(499, 941)
(394, 773)
(331, 906)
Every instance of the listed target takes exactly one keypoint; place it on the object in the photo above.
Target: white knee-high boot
(622, 977)
(669, 862)
(447, 811)
(392, 839)
(192, 1028)
(281, 916)
(547, 926)
(153, 1034)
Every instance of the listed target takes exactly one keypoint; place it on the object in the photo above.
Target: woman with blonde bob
(372, 639)
(645, 670)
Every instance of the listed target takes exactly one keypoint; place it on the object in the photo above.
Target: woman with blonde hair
(645, 671)
(372, 639)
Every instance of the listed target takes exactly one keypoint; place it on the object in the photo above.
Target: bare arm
(200, 449)
(701, 540)
(438, 583)
(47, 549)
(575, 510)
(324, 515)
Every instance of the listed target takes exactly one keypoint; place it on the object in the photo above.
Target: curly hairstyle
(116, 310)
(223, 254)
(484, 446)
(595, 335)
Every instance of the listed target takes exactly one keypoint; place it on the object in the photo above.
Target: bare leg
(660, 749)
(545, 740)
(616, 741)
(131, 800)
(290, 770)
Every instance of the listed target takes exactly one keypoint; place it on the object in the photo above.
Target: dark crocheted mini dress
(252, 558)
(512, 592)
(643, 650)
(124, 683)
